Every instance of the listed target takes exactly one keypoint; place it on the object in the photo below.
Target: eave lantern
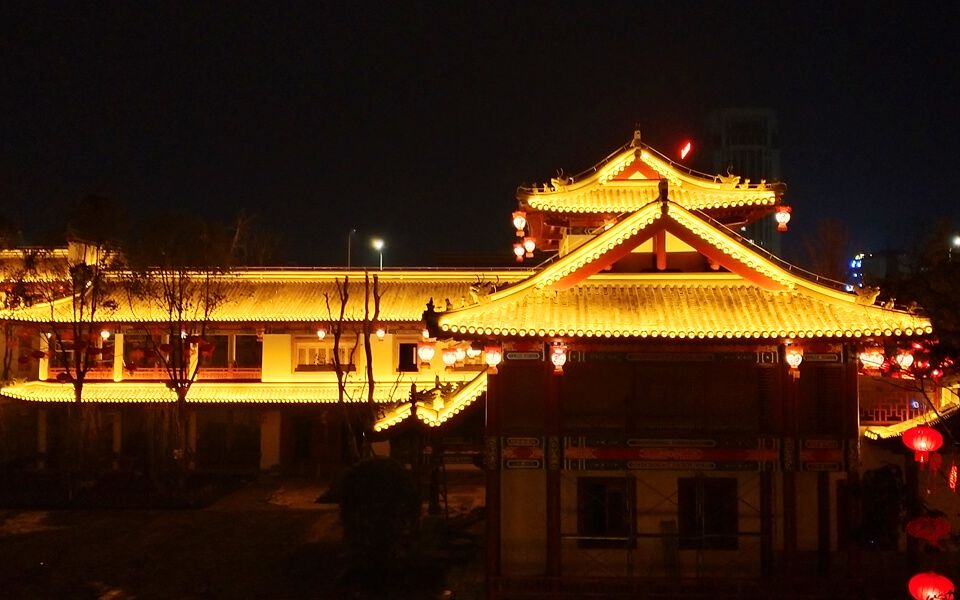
(381, 333)
(518, 251)
(558, 356)
(425, 351)
(783, 217)
(794, 357)
(493, 355)
(321, 333)
(930, 586)
(519, 222)
(529, 245)
(450, 357)
(871, 359)
(923, 440)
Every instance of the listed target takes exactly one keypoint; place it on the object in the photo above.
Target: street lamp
(954, 245)
(378, 246)
(350, 235)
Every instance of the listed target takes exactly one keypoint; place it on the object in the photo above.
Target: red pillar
(791, 458)
(553, 460)
(491, 464)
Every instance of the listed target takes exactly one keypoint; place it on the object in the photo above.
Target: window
(605, 509)
(218, 357)
(318, 356)
(407, 358)
(708, 518)
(248, 352)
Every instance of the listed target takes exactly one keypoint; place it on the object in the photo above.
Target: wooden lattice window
(605, 512)
(708, 513)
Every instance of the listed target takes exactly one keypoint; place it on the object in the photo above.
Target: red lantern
(930, 529)
(923, 440)
(136, 354)
(930, 586)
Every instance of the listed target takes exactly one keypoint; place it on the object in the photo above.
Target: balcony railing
(158, 373)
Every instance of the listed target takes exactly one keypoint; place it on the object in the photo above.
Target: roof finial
(635, 142)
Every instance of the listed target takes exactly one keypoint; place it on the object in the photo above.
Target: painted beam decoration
(583, 453)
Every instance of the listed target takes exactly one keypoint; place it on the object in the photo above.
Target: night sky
(416, 122)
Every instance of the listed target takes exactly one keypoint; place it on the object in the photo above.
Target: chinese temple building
(661, 402)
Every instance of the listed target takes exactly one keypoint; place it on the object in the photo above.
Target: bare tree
(358, 423)
(174, 287)
(827, 249)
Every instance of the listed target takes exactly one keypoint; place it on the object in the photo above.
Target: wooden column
(41, 438)
(766, 523)
(192, 439)
(791, 457)
(491, 463)
(117, 441)
(118, 357)
(553, 460)
(823, 523)
(852, 433)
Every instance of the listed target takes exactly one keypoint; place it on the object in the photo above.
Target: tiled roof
(206, 393)
(605, 192)
(708, 306)
(298, 296)
(449, 405)
(760, 298)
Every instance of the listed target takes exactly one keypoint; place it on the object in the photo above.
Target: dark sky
(417, 121)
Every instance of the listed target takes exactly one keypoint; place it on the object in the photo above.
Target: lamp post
(350, 235)
(378, 246)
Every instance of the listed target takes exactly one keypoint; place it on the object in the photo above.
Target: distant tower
(747, 141)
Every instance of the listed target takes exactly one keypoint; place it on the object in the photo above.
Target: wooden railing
(157, 374)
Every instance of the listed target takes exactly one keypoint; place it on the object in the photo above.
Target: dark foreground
(267, 540)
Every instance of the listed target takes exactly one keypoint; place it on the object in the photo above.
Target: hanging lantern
(518, 252)
(930, 586)
(794, 357)
(425, 351)
(904, 360)
(461, 353)
(783, 217)
(473, 352)
(381, 332)
(930, 529)
(923, 440)
(493, 355)
(558, 356)
(529, 245)
(519, 222)
(449, 357)
(871, 359)
(425, 333)
(321, 333)
(105, 334)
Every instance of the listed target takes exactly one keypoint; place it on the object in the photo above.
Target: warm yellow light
(871, 359)
(794, 357)
(321, 333)
(519, 222)
(473, 352)
(905, 360)
(783, 217)
(449, 357)
(518, 251)
(425, 352)
(529, 245)
(105, 334)
(558, 356)
(461, 353)
(377, 244)
(493, 355)
(381, 332)
(425, 333)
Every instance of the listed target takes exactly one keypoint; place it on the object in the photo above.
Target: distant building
(871, 268)
(746, 142)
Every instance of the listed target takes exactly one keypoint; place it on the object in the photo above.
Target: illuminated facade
(663, 400)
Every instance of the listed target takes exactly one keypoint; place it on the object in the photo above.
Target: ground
(266, 540)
